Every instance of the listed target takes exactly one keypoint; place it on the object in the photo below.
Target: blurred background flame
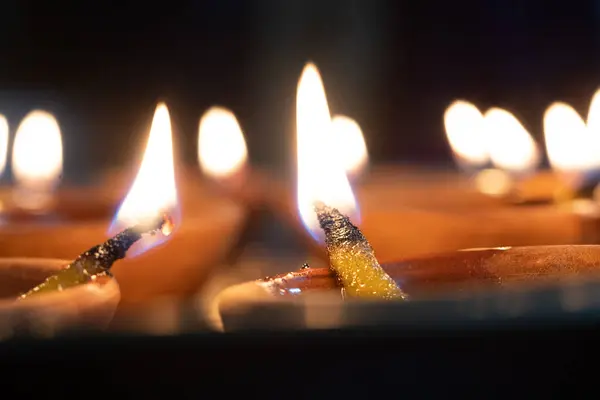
(221, 143)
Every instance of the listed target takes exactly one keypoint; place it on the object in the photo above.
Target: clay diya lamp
(208, 226)
(72, 219)
(326, 205)
(445, 210)
(446, 276)
(205, 224)
(94, 265)
(448, 210)
(511, 203)
(37, 214)
(86, 307)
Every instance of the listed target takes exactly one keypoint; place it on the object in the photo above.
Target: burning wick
(98, 260)
(352, 258)
(322, 180)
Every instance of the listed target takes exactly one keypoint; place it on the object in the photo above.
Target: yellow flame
(465, 132)
(153, 190)
(510, 146)
(3, 143)
(593, 118)
(349, 140)
(37, 154)
(572, 146)
(320, 176)
(494, 182)
(221, 144)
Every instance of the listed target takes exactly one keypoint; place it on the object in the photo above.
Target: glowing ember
(168, 225)
(349, 138)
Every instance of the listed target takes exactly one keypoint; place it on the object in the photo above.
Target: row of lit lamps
(497, 136)
(37, 156)
(476, 139)
(322, 167)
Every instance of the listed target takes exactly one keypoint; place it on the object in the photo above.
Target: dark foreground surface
(492, 361)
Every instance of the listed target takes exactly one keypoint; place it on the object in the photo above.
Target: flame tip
(311, 70)
(39, 111)
(558, 104)
(461, 102)
(161, 108)
(496, 110)
(37, 114)
(217, 110)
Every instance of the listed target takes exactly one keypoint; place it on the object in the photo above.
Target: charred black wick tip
(337, 227)
(115, 248)
(119, 244)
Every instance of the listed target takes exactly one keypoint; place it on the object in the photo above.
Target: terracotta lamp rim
(458, 274)
(88, 306)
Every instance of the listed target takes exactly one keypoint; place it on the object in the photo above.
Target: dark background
(393, 65)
